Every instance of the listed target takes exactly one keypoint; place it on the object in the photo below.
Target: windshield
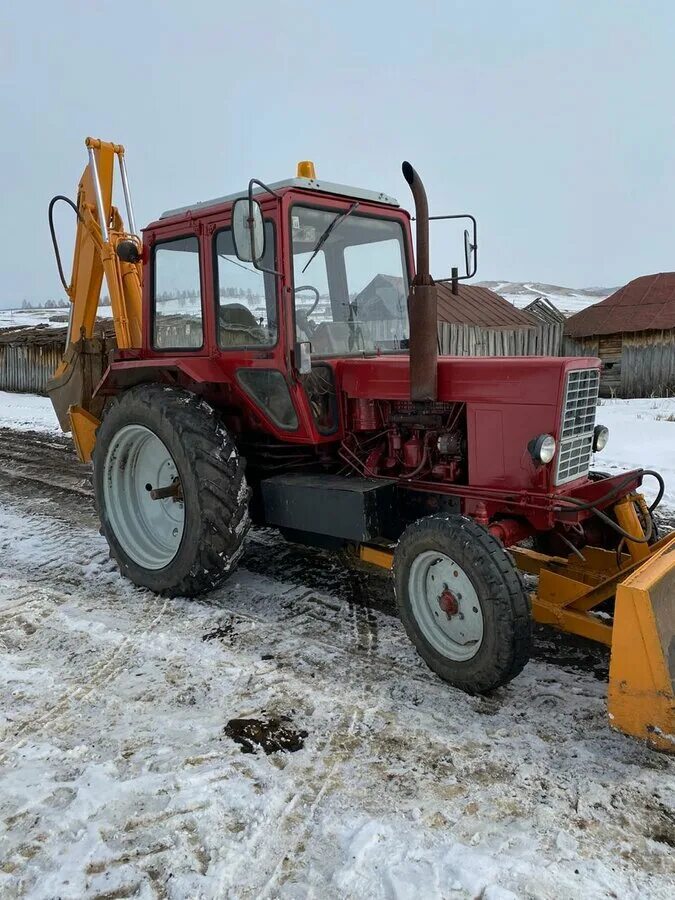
(352, 296)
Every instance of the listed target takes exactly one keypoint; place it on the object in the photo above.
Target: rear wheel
(462, 602)
(170, 490)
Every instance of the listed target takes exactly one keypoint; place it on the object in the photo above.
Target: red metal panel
(462, 379)
(523, 393)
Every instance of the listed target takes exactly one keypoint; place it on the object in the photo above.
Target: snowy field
(27, 412)
(14, 318)
(122, 768)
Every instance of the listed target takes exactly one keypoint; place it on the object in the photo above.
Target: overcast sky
(551, 121)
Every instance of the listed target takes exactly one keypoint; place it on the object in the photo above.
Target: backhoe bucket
(641, 699)
(74, 381)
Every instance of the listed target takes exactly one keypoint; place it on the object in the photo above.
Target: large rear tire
(462, 602)
(157, 437)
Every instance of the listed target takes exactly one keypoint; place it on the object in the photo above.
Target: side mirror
(248, 230)
(470, 253)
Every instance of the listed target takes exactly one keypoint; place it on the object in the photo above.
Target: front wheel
(462, 602)
(170, 490)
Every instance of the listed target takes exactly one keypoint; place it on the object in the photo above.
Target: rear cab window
(177, 295)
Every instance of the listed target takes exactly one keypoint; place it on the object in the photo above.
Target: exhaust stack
(422, 302)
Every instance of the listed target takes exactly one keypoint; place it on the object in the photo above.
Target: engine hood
(464, 378)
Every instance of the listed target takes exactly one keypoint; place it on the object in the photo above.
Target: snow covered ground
(641, 435)
(23, 412)
(120, 775)
(13, 318)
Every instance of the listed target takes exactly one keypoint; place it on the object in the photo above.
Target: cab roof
(305, 184)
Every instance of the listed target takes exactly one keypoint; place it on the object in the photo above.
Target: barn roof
(543, 309)
(475, 305)
(644, 304)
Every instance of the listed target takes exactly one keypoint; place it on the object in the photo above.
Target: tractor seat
(238, 326)
(237, 314)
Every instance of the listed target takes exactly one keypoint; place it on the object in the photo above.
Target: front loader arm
(100, 241)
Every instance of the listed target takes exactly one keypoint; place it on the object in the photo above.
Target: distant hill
(568, 300)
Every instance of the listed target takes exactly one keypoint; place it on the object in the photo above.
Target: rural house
(633, 333)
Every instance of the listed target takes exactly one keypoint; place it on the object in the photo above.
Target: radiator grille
(577, 424)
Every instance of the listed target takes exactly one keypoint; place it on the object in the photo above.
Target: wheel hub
(446, 605)
(448, 602)
(143, 497)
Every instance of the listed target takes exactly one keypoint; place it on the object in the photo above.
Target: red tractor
(275, 361)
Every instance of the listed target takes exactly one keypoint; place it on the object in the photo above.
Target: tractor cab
(340, 254)
(271, 288)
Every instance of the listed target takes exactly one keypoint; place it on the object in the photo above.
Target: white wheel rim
(445, 605)
(149, 531)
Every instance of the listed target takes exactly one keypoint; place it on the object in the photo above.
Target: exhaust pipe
(422, 302)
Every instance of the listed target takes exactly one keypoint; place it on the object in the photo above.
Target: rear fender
(124, 374)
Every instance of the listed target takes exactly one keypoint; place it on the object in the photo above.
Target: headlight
(542, 448)
(600, 438)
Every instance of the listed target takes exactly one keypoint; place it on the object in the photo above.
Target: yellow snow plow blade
(641, 631)
(641, 698)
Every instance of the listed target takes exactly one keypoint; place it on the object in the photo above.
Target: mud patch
(570, 651)
(222, 632)
(273, 735)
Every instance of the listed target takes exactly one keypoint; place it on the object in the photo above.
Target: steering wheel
(309, 287)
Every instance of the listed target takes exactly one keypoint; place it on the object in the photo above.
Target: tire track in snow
(95, 678)
(63, 562)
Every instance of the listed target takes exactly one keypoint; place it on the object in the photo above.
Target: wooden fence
(474, 340)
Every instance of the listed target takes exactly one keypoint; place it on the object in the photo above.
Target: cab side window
(246, 297)
(177, 295)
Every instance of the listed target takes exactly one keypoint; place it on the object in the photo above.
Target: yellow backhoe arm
(102, 248)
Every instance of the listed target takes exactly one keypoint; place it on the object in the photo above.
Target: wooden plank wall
(648, 364)
(473, 340)
(640, 364)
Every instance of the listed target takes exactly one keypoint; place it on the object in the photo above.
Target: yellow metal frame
(641, 632)
(71, 388)
(570, 588)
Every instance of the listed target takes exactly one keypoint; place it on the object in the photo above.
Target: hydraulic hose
(582, 505)
(662, 487)
(55, 243)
